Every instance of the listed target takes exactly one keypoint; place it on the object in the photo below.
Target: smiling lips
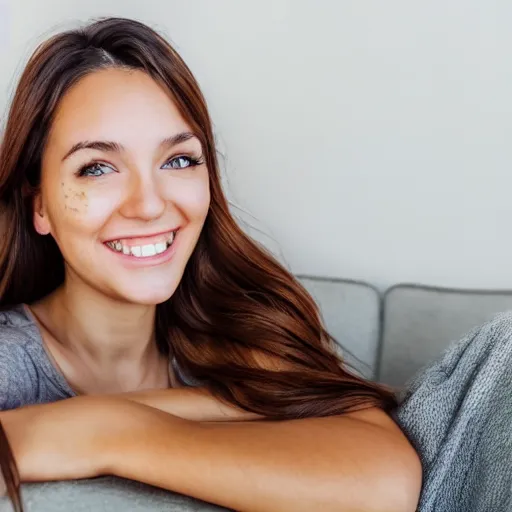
(143, 247)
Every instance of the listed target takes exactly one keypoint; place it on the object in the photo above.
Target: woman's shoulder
(16, 326)
(19, 333)
(20, 349)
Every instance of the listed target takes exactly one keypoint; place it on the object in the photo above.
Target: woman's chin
(148, 296)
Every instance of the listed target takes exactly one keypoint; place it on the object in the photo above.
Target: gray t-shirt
(27, 374)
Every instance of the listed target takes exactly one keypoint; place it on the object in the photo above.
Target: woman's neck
(100, 344)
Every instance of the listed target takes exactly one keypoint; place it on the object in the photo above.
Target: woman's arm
(358, 462)
(195, 404)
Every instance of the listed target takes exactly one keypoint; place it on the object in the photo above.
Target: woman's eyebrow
(115, 147)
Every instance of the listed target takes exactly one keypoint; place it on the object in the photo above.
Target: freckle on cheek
(75, 201)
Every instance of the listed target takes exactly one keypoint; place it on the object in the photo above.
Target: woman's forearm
(351, 463)
(328, 464)
(195, 404)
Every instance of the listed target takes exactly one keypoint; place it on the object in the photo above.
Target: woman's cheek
(85, 209)
(192, 197)
(75, 199)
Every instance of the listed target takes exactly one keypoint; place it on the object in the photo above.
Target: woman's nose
(143, 199)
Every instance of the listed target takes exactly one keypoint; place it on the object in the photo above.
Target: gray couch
(387, 337)
(394, 334)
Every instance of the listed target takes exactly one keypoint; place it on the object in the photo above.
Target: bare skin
(89, 371)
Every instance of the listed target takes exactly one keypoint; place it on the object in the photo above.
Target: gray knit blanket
(458, 415)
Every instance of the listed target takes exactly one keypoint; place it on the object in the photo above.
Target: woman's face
(124, 187)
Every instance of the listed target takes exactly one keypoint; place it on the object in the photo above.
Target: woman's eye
(181, 162)
(96, 169)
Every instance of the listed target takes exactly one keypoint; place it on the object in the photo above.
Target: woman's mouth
(141, 248)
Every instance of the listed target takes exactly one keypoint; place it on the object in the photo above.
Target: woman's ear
(41, 221)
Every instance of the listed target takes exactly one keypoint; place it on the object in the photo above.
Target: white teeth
(148, 250)
(136, 251)
(160, 247)
(142, 251)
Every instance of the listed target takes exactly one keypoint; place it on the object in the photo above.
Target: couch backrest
(351, 312)
(395, 336)
(420, 322)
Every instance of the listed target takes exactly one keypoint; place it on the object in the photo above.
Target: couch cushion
(105, 494)
(351, 313)
(420, 322)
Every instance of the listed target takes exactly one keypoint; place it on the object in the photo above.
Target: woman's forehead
(116, 104)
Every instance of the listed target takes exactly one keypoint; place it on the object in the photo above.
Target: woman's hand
(67, 439)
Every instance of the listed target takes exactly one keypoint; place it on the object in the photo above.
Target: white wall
(371, 139)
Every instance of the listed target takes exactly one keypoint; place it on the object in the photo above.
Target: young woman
(143, 334)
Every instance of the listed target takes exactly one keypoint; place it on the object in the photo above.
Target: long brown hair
(238, 323)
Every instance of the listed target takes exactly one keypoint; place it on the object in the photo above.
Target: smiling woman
(125, 277)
